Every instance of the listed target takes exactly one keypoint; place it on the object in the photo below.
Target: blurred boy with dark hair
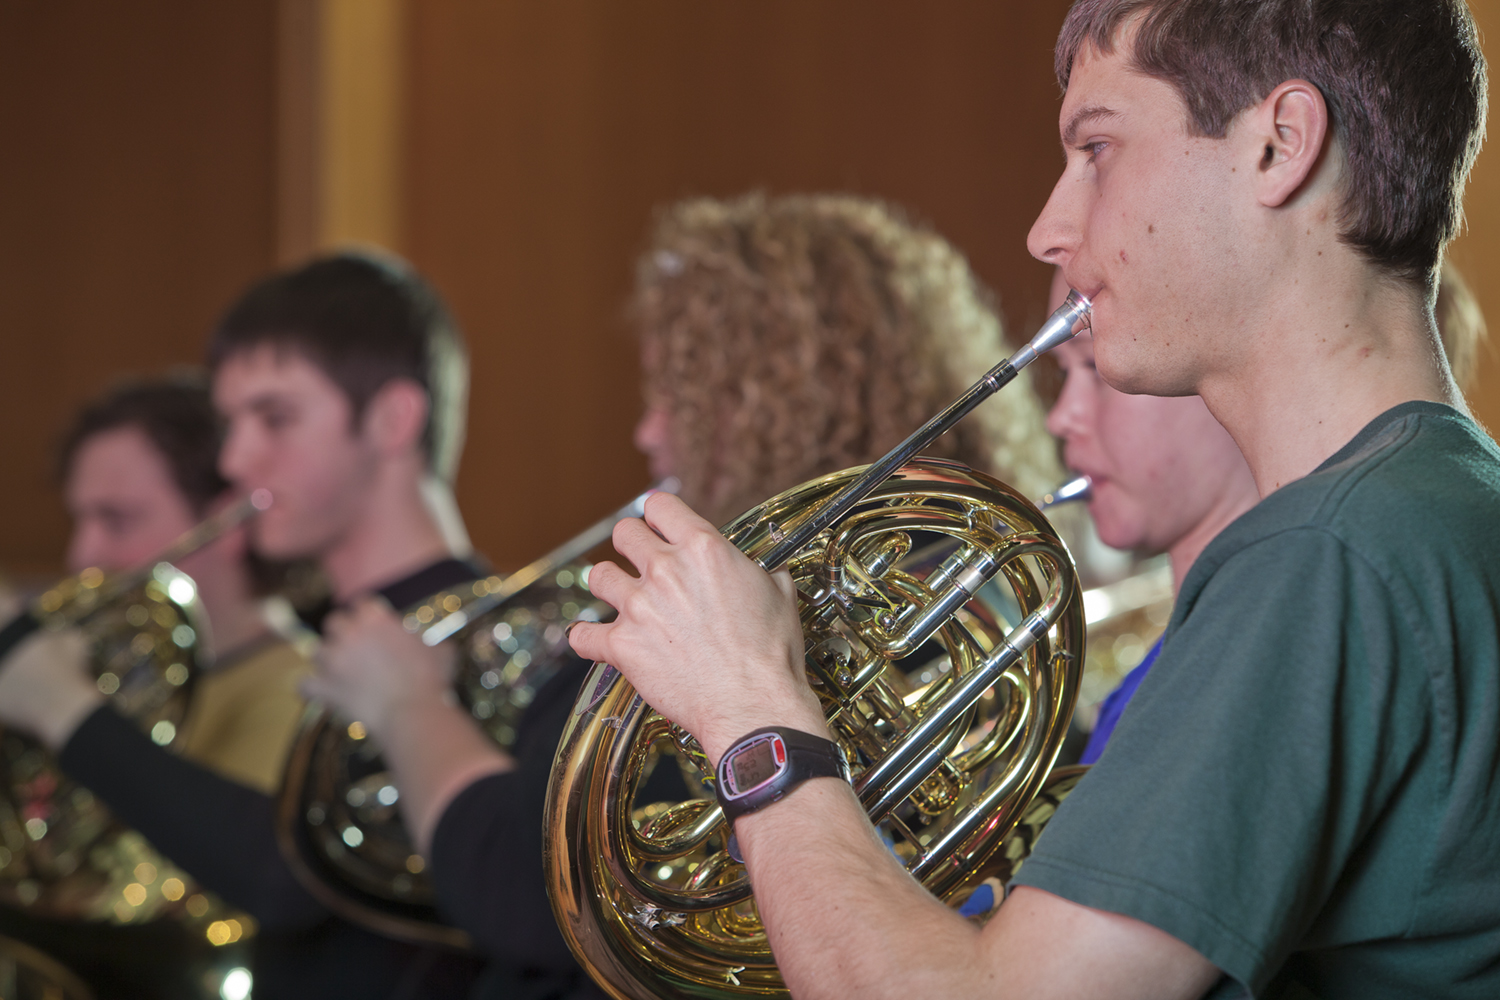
(138, 469)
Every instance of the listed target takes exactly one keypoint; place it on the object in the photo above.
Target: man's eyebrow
(1088, 113)
(268, 400)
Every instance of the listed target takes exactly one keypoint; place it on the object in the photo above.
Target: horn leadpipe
(533, 571)
(201, 534)
(1070, 318)
(1080, 488)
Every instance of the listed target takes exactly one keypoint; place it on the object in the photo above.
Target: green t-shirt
(1306, 788)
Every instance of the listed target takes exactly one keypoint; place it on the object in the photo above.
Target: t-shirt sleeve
(1257, 754)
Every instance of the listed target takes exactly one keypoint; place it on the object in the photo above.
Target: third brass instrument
(951, 704)
(63, 855)
(338, 817)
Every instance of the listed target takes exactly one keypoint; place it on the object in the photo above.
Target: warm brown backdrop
(136, 196)
(160, 154)
(540, 136)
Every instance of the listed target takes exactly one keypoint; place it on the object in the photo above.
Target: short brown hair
(787, 338)
(1404, 81)
(177, 416)
(364, 319)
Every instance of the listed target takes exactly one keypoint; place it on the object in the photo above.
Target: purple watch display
(763, 766)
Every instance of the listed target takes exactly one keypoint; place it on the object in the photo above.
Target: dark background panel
(135, 199)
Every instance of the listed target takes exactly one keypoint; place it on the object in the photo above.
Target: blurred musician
(1301, 800)
(1167, 477)
(1460, 324)
(139, 469)
(342, 384)
(781, 339)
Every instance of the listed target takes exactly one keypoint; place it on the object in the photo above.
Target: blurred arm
(375, 671)
(220, 832)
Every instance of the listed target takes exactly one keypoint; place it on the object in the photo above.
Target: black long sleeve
(487, 851)
(486, 860)
(217, 830)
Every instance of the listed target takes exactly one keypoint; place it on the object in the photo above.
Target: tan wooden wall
(162, 153)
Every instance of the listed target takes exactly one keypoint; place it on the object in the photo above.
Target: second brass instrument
(338, 817)
(63, 855)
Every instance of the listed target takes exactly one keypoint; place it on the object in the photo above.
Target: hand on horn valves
(45, 687)
(370, 667)
(708, 638)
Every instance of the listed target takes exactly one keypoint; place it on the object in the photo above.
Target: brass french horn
(338, 817)
(949, 695)
(63, 855)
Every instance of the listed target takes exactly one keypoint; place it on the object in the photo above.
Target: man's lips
(1088, 287)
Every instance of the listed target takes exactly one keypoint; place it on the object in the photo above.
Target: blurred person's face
(125, 506)
(653, 438)
(291, 431)
(1159, 464)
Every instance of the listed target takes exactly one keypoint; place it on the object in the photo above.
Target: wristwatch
(763, 766)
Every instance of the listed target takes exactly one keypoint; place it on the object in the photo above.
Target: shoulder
(1419, 487)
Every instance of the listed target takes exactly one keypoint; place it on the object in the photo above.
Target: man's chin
(1139, 376)
(276, 546)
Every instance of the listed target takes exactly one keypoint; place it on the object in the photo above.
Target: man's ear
(1291, 126)
(396, 416)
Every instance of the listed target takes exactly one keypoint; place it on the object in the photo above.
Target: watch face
(754, 764)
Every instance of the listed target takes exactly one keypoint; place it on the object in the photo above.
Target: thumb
(783, 579)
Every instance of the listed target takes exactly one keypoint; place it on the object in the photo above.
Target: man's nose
(235, 455)
(85, 547)
(1054, 237)
(1068, 416)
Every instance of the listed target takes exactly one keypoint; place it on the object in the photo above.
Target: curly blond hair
(786, 338)
(1460, 323)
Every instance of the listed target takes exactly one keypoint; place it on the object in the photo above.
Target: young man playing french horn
(1300, 801)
